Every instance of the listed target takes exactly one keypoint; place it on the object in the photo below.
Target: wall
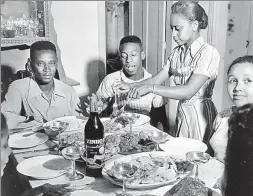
(78, 29)
(81, 38)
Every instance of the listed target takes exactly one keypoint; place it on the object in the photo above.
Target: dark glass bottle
(94, 143)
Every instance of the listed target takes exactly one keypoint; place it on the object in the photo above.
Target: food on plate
(183, 166)
(120, 122)
(57, 164)
(190, 187)
(136, 142)
(73, 123)
(128, 143)
(73, 137)
(151, 170)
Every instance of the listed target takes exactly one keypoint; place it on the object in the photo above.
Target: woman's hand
(140, 90)
(122, 87)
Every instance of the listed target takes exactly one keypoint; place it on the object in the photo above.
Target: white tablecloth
(208, 172)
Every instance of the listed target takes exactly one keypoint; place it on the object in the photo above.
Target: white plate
(157, 135)
(75, 122)
(42, 167)
(143, 119)
(181, 146)
(86, 192)
(19, 141)
(109, 164)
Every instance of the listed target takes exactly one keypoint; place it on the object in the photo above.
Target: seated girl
(240, 90)
(238, 178)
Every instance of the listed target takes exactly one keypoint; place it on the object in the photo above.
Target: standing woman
(193, 65)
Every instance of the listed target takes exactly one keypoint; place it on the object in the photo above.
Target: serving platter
(170, 175)
(122, 122)
(139, 140)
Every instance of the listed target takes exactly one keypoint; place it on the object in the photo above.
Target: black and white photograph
(126, 98)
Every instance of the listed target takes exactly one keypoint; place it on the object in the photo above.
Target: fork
(123, 107)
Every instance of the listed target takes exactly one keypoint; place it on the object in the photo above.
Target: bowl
(55, 128)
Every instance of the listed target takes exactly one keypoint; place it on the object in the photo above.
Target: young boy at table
(39, 98)
(131, 56)
(10, 185)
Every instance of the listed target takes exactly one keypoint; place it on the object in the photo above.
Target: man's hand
(140, 90)
(53, 190)
(48, 190)
(85, 108)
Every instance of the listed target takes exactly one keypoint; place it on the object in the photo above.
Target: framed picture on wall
(24, 22)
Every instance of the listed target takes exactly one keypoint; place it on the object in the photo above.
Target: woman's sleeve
(208, 62)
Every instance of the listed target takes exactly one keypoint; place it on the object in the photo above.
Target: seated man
(39, 98)
(131, 56)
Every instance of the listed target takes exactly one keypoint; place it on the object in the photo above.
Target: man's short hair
(41, 45)
(131, 39)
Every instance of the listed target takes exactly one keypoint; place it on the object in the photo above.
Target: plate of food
(154, 169)
(74, 122)
(27, 139)
(122, 121)
(44, 167)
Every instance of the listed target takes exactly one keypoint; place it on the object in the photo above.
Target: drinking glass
(197, 158)
(73, 152)
(124, 171)
(56, 129)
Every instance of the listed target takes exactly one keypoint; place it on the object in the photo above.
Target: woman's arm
(159, 78)
(183, 92)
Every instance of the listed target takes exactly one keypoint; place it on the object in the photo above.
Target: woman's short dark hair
(242, 59)
(192, 11)
(239, 154)
(131, 39)
(41, 45)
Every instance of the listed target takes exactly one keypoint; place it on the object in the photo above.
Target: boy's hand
(86, 107)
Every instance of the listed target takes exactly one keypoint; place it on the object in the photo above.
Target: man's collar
(125, 79)
(34, 89)
(58, 90)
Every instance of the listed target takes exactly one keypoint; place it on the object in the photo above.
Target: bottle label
(95, 153)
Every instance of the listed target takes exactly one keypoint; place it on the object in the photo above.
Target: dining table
(209, 172)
